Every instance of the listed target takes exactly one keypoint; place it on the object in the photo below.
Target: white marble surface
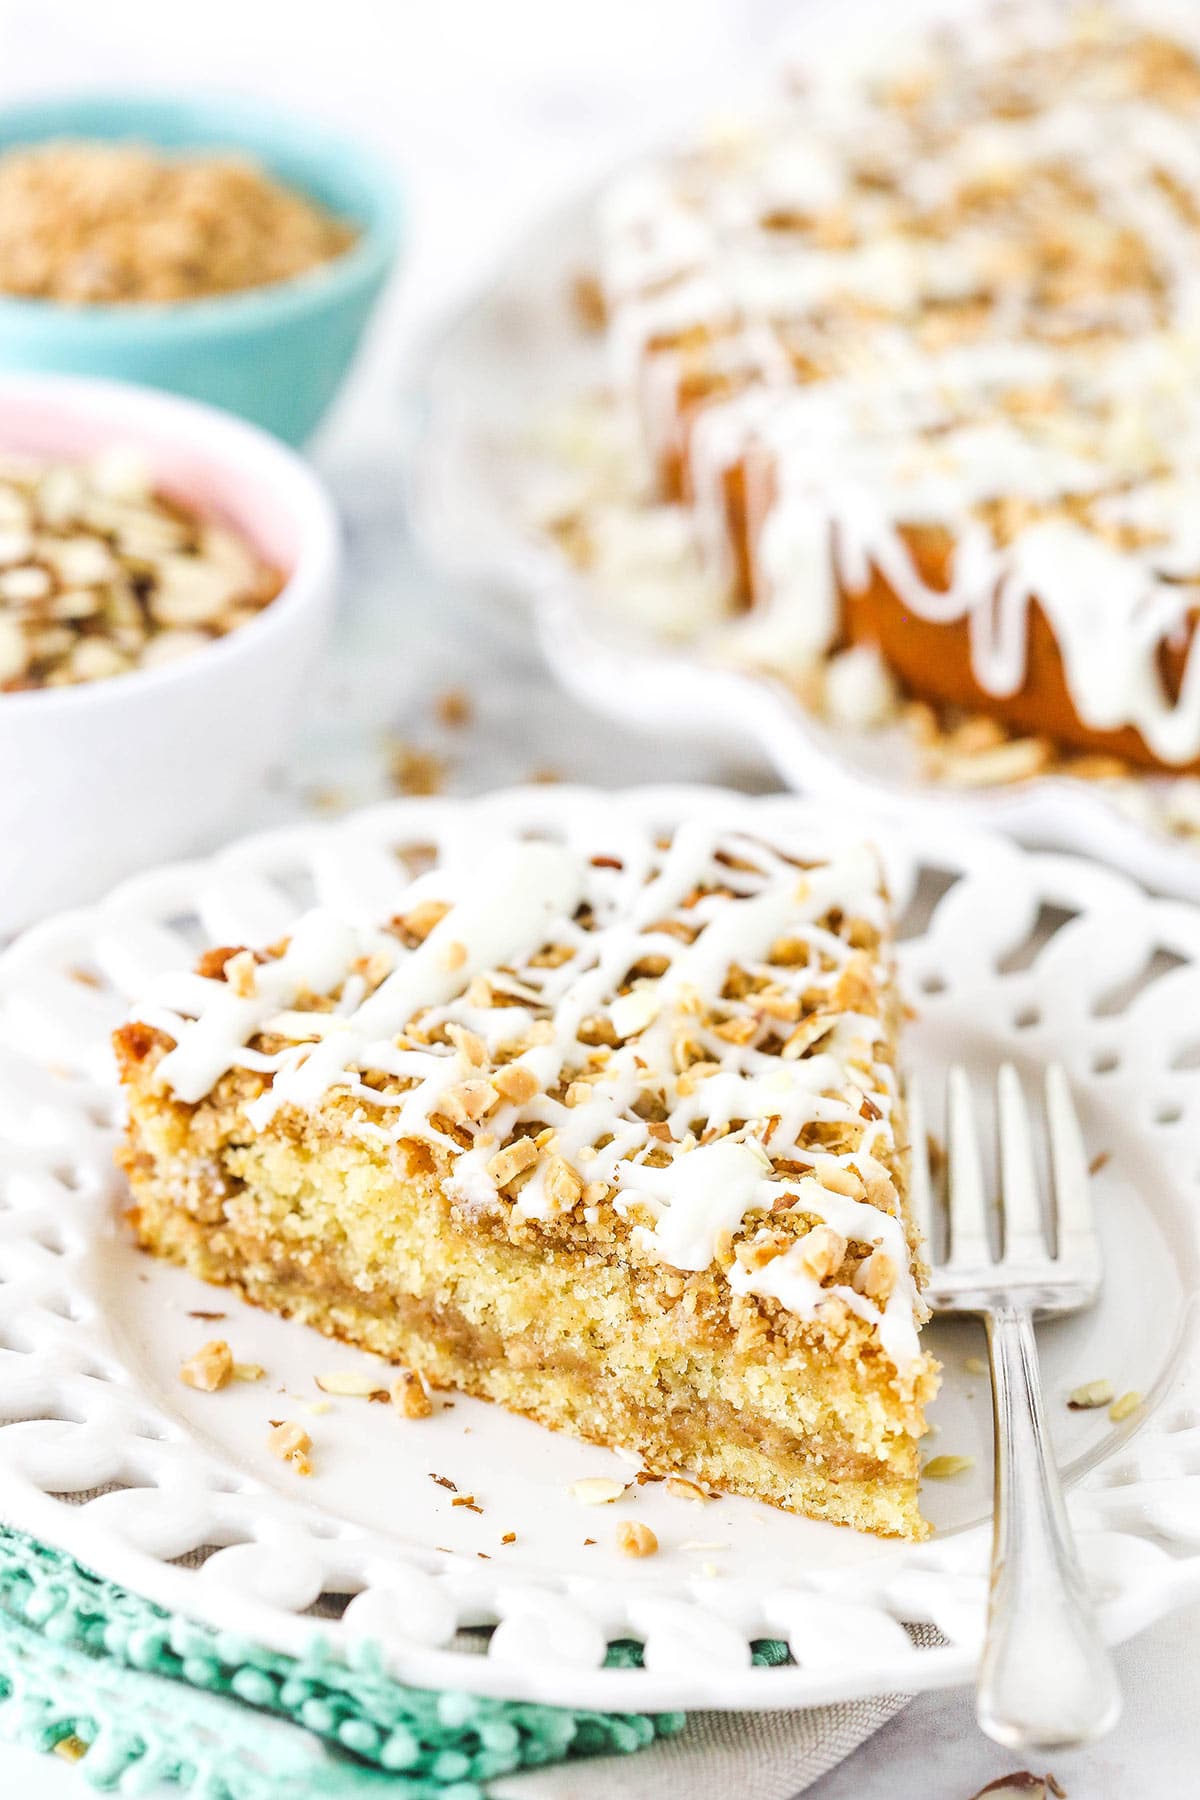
(494, 113)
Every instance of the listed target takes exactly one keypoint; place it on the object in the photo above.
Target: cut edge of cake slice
(612, 1135)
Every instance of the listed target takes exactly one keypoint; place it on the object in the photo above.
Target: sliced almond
(355, 1384)
(1089, 1395)
(596, 1490)
(942, 1468)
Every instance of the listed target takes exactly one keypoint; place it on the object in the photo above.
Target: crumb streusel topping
(95, 223)
(100, 575)
(683, 1042)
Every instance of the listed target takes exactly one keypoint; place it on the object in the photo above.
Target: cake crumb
(635, 1539)
(325, 800)
(1100, 1161)
(510, 1537)
(588, 302)
(414, 771)
(210, 1368)
(469, 1501)
(454, 708)
(444, 1481)
(975, 1365)
(291, 1444)
(206, 1315)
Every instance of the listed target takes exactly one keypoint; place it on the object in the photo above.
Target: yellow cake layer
(312, 1219)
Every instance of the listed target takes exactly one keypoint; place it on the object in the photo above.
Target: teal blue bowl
(276, 354)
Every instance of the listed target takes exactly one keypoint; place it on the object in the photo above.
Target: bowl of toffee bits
(213, 249)
(166, 578)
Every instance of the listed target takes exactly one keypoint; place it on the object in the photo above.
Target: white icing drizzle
(902, 429)
(605, 906)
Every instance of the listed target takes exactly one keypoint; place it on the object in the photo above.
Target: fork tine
(1023, 1237)
(920, 1186)
(1077, 1241)
(969, 1241)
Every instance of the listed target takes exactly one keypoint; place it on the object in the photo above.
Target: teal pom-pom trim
(144, 1696)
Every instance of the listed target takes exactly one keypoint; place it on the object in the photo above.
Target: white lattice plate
(507, 433)
(1004, 953)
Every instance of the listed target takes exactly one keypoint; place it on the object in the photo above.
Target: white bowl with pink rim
(100, 779)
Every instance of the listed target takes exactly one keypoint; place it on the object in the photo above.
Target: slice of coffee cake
(608, 1132)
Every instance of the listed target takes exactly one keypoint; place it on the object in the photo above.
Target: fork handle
(1045, 1681)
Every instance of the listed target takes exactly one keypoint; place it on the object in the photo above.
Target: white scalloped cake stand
(1003, 952)
(493, 429)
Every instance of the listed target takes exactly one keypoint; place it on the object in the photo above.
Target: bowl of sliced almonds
(166, 577)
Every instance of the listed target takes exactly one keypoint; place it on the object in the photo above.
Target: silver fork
(1045, 1680)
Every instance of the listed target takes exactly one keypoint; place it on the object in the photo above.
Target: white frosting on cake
(1037, 174)
(559, 933)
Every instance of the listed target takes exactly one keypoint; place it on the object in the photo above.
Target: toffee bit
(291, 1444)
(469, 1501)
(510, 1537)
(210, 1368)
(635, 1539)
